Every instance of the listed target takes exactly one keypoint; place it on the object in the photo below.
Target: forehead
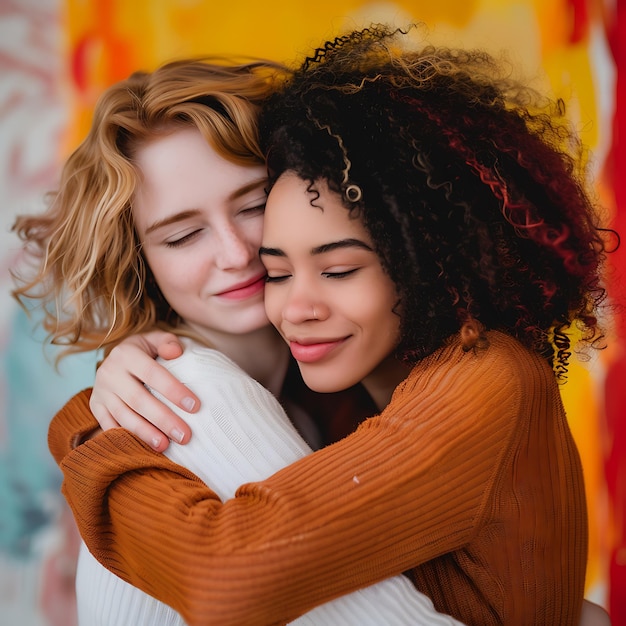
(299, 210)
(182, 171)
(183, 152)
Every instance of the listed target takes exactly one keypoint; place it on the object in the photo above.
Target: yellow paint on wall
(584, 414)
(571, 78)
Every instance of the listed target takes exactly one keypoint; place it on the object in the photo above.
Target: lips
(244, 290)
(313, 351)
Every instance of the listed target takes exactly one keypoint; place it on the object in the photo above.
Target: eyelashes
(276, 279)
(338, 275)
(331, 275)
(177, 243)
(253, 211)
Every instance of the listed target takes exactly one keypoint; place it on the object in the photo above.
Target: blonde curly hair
(90, 277)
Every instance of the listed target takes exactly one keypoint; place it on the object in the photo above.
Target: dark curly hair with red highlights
(470, 185)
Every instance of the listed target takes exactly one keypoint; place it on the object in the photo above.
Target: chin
(249, 323)
(326, 383)
(246, 329)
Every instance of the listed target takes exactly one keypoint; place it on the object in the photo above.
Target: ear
(472, 334)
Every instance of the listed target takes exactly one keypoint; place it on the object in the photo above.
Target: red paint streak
(615, 389)
(580, 20)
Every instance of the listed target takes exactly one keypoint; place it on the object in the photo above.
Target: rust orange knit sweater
(469, 481)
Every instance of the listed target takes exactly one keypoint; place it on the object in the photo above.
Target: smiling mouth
(313, 352)
(244, 290)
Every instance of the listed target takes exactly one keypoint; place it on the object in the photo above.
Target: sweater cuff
(71, 425)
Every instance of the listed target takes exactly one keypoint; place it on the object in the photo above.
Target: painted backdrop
(56, 56)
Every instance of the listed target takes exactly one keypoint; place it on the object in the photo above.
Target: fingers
(594, 615)
(133, 360)
(120, 397)
(102, 415)
(156, 343)
(127, 418)
(170, 350)
(153, 374)
(133, 407)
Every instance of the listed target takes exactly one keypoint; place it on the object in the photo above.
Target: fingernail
(177, 435)
(156, 442)
(188, 403)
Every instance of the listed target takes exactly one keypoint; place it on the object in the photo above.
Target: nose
(303, 303)
(234, 249)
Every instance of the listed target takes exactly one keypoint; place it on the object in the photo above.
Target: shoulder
(498, 374)
(476, 400)
(198, 361)
(506, 358)
(502, 356)
(215, 379)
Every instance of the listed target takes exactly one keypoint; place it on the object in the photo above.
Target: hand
(593, 615)
(119, 397)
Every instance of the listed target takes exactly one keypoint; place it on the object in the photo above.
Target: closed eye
(259, 208)
(340, 274)
(177, 243)
(277, 279)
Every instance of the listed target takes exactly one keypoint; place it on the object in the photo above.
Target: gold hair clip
(353, 193)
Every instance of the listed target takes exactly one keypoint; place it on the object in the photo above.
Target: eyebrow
(183, 215)
(251, 186)
(326, 247)
(172, 219)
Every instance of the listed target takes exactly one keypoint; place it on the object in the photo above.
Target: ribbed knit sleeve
(417, 484)
(77, 422)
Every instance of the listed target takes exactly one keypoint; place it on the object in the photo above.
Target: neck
(381, 383)
(262, 354)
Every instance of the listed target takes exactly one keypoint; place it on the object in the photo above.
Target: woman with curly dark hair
(428, 234)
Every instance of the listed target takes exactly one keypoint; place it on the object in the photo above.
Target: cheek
(371, 303)
(382, 324)
(175, 273)
(380, 321)
(273, 305)
(253, 232)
